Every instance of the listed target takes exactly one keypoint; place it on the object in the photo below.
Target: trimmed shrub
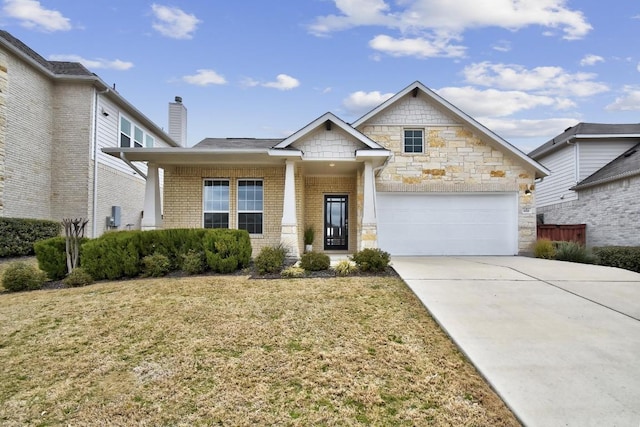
(119, 254)
(156, 265)
(293, 272)
(78, 277)
(315, 261)
(544, 248)
(270, 259)
(345, 268)
(20, 276)
(17, 235)
(52, 258)
(627, 257)
(375, 260)
(194, 262)
(573, 252)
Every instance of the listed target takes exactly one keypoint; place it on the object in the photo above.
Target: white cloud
(354, 13)
(498, 103)
(361, 102)
(174, 22)
(629, 101)
(92, 64)
(502, 46)
(418, 47)
(249, 82)
(205, 77)
(283, 82)
(34, 16)
(591, 60)
(431, 23)
(544, 80)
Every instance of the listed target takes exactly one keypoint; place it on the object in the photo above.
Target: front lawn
(227, 350)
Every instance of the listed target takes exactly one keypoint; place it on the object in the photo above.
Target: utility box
(115, 215)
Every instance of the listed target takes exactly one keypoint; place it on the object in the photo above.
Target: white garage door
(448, 224)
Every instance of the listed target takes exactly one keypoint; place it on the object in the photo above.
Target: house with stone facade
(55, 117)
(414, 176)
(594, 180)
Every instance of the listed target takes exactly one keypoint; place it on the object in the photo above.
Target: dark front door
(336, 223)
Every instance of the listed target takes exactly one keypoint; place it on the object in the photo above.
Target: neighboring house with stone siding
(594, 180)
(55, 117)
(415, 176)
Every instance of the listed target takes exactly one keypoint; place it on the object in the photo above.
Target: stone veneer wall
(610, 211)
(455, 160)
(183, 188)
(316, 187)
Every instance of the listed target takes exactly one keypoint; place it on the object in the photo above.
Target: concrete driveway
(558, 341)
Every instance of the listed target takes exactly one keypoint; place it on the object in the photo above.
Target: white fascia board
(285, 153)
(320, 121)
(362, 154)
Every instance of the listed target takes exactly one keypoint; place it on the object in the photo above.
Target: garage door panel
(447, 224)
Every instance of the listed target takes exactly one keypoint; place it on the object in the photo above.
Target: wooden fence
(566, 233)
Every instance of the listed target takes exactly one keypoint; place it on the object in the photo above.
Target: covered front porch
(322, 177)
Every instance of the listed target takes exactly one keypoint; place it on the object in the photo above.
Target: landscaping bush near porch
(120, 254)
(18, 235)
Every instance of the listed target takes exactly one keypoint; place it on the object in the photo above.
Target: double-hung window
(250, 205)
(413, 141)
(216, 203)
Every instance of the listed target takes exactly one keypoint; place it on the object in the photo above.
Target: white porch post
(289, 233)
(369, 233)
(152, 218)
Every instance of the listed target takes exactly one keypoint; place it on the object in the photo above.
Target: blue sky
(526, 69)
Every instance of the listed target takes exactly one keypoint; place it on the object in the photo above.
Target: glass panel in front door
(336, 222)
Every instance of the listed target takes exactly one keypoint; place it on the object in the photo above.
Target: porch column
(289, 233)
(369, 233)
(152, 217)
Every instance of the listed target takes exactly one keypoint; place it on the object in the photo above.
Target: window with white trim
(132, 135)
(413, 140)
(216, 203)
(250, 205)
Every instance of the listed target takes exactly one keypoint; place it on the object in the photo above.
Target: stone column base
(369, 236)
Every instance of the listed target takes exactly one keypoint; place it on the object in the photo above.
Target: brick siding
(610, 211)
(183, 198)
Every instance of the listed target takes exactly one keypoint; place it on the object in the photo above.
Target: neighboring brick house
(54, 119)
(594, 180)
(415, 176)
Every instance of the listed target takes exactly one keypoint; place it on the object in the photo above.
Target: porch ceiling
(330, 167)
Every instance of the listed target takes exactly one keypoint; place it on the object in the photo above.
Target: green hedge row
(120, 254)
(17, 235)
(627, 257)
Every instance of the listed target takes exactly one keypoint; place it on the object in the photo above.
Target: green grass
(227, 350)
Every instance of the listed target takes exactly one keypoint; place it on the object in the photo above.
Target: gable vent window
(413, 140)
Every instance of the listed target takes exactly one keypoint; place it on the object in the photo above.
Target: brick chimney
(178, 122)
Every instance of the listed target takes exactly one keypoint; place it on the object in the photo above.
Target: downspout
(94, 214)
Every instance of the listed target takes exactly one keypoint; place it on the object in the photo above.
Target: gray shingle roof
(55, 67)
(625, 165)
(237, 143)
(586, 129)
